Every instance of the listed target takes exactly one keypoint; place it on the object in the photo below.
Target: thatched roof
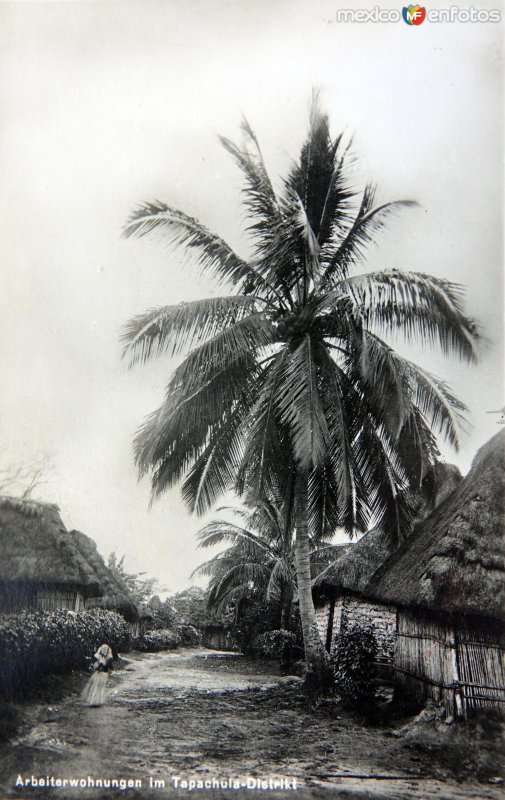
(36, 548)
(455, 560)
(352, 571)
(115, 595)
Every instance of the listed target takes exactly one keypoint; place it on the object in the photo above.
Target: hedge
(279, 644)
(190, 636)
(154, 641)
(35, 643)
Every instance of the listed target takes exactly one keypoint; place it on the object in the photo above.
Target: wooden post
(458, 710)
(329, 629)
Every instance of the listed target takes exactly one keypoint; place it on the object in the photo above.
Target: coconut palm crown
(289, 379)
(260, 556)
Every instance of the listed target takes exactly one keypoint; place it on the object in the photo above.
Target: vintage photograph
(252, 462)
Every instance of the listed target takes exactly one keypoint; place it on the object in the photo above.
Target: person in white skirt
(94, 691)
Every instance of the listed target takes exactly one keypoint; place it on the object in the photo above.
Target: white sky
(107, 104)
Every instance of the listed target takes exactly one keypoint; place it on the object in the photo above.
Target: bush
(34, 643)
(255, 617)
(281, 645)
(153, 641)
(354, 664)
(189, 635)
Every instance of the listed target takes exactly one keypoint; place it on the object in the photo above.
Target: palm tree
(289, 378)
(260, 556)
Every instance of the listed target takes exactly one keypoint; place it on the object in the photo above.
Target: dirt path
(196, 717)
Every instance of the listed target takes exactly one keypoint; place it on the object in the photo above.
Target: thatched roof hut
(454, 562)
(114, 593)
(340, 591)
(352, 570)
(447, 582)
(37, 552)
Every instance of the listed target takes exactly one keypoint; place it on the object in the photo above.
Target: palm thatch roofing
(354, 568)
(115, 595)
(352, 571)
(36, 548)
(454, 562)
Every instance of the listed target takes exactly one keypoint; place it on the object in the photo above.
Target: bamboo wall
(15, 597)
(460, 666)
(55, 599)
(481, 664)
(24, 596)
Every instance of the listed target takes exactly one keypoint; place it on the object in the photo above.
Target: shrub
(354, 664)
(34, 643)
(153, 641)
(189, 635)
(281, 645)
(255, 617)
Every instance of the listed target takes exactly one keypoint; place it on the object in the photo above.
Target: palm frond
(341, 254)
(384, 479)
(171, 329)
(259, 194)
(300, 408)
(438, 405)
(215, 468)
(264, 446)
(237, 575)
(192, 416)
(281, 260)
(324, 511)
(343, 406)
(417, 447)
(247, 339)
(421, 306)
(280, 576)
(394, 385)
(266, 515)
(318, 177)
(311, 247)
(386, 382)
(212, 253)
(219, 530)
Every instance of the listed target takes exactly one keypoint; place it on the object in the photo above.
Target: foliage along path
(198, 717)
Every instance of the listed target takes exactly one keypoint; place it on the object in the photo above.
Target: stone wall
(322, 617)
(351, 611)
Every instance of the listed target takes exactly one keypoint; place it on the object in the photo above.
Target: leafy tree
(163, 614)
(189, 606)
(289, 378)
(140, 587)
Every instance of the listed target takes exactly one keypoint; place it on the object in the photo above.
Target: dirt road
(192, 724)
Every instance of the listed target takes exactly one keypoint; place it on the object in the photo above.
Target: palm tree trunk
(287, 600)
(288, 590)
(315, 654)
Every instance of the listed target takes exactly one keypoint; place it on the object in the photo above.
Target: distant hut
(114, 595)
(40, 565)
(340, 593)
(448, 582)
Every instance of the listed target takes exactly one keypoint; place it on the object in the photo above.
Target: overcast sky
(107, 104)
